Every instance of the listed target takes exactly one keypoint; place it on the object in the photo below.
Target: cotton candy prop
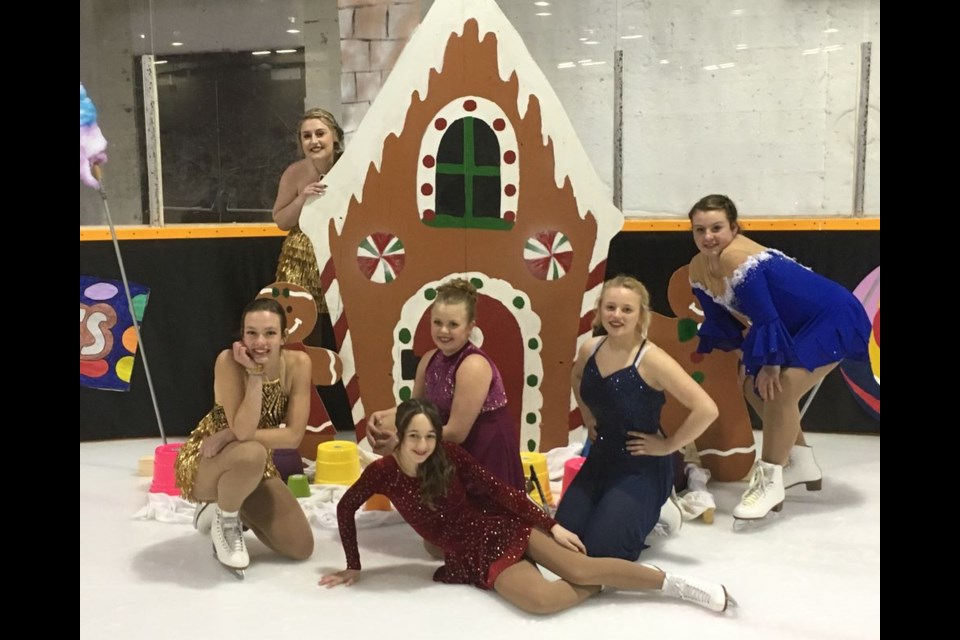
(93, 146)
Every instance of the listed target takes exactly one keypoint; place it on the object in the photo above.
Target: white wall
(775, 131)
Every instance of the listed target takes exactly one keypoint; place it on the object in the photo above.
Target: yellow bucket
(539, 463)
(338, 462)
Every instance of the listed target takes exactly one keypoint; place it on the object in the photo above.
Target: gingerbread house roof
(425, 52)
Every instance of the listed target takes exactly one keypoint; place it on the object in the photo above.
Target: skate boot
(228, 545)
(764, 494)
(711, 595)
(802, 468)
(671, 516)
(203, 516)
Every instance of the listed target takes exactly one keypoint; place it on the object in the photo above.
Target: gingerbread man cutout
(727, 447)
(301, 310)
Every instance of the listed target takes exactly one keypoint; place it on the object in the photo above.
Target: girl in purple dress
(465, 385)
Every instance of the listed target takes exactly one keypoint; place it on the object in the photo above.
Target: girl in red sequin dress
(492, 536)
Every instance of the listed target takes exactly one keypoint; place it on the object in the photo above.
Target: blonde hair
(631, 283)
(328, 119)
(459, 291)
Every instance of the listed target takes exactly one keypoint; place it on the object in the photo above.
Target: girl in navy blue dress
(620, 381)
(798, 325)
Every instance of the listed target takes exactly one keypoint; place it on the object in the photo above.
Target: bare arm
(296, 185)
(382, 424)
(240, 394)
(663, 372)
(419, 382)
(470, 390)
(576, 377)
(298, 406)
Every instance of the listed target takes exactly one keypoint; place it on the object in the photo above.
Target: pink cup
(570, 470)
(164, 476)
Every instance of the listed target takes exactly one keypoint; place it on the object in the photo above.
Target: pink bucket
(570, 470)
(164, 476)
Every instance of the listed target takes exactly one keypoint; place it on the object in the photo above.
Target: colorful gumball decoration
(864, 378)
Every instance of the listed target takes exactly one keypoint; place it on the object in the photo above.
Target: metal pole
(98, 174)
(618, 129)
(863, 105)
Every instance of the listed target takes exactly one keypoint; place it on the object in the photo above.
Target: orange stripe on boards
(182, 232)
(188, 232)
(764, 224)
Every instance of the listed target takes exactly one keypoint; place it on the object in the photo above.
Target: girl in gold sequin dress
(321, 142)
(226, 464)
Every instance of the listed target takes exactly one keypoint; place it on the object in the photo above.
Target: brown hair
(459, 291)
(265, 304)
(434, 472)
(327, 118)
(631, 283)
(717, 202)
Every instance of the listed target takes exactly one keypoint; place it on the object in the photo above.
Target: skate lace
(233, 534)
(693, 593)
(758, 486)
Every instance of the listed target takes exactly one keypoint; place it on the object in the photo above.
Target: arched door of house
(499, 336)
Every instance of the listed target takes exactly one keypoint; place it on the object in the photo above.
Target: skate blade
(237, 572)
(741, 525)
(731, 601)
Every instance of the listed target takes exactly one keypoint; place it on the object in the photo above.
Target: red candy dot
(470, 105)
(510, 190)
(499, 124)
(94, 368)
(428, 214)
(509, 216)
(426, 189)
(509, 157)
(440, 124)
(429, 161)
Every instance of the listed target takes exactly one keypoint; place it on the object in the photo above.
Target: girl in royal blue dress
(792, 327)
(491, 534)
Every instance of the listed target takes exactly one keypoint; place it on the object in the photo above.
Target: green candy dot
(531, 418)
(139, 304)
(477, 282)
(430, 294)
(518, 302)
(533, 343)
(531, 445)
(405, 336)
(686, 329)
(698, 376)
(405, 393)
(532, 381)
